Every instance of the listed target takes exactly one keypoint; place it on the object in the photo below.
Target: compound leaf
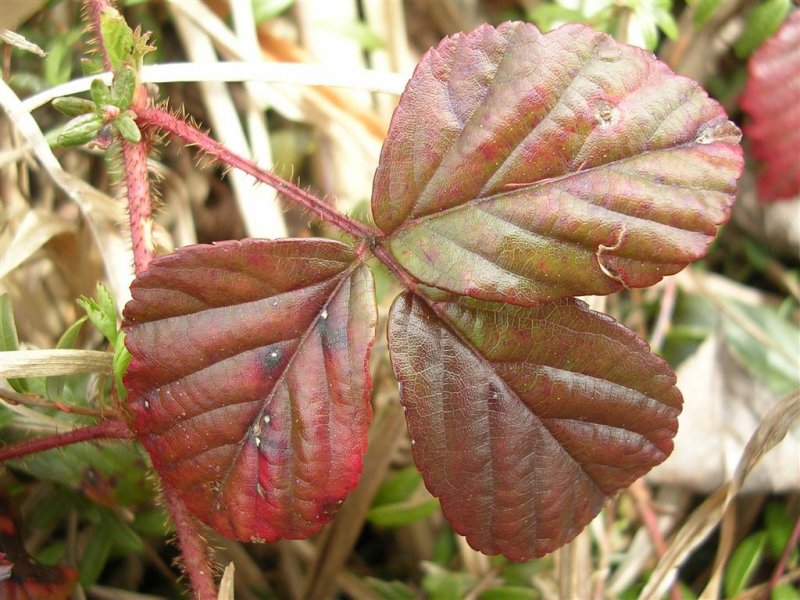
(524, 419)
(249, 381)
(523, 167)
(770, 100)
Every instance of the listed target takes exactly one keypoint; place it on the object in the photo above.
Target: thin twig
(665, 312)
(162, 119)
(103, 430)
(41, 402)
(641, 496)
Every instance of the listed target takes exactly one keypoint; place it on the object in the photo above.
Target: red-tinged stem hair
(103, 430)
(94, 8)
(140, 202)
(194, 550)
(163, 119)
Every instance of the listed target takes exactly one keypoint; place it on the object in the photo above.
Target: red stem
(134, 159)
(194, 550)
(104, 429)
(404, 276)
(95, 8)
(158, 117)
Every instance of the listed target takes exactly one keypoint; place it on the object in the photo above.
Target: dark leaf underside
(524, 167)
(524, 420)
(249, 380)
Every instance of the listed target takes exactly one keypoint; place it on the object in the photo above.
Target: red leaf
(22, 577)
(523, 420)
(772, 100)
(249, 381)
(524, 167)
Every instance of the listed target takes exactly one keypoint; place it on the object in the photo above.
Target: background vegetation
(729, 325)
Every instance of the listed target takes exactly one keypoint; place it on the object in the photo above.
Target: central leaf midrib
(534, 185)
(345, 276)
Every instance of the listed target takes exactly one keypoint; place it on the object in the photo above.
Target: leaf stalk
(194, 550)
(102, 430)
(159, 118)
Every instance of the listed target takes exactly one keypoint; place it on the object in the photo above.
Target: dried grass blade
(45, 363)
(707, 516)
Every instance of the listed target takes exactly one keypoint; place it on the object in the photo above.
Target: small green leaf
(760, 24)
(770, 364)
(72, 106)
(121, 359)
(100, 92)
(785, 591)
(390, 590)
(102, 312)
(779, 526)
(8, 338)
(52, 554)
(704, 10)
(548, 16)
(52, 509)
(123, 87)
(647, 27)
(58, 62)
(444, 549)
(358, 31)
(666, 22)
(152, 522)
(117, 38)
(441, 584)
(55, 385)
(264, 10)
(8, 328)
(95, 555)
(128, 129)
(404, 513)
(126, 540)
(744, 562)
(510, 592)
(80, 130)
(398, 487)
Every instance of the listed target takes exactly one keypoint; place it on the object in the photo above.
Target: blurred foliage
(103, 488)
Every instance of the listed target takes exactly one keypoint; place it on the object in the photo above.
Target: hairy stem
(194, 550)
(162, 119)
(134, 159)
(103, 430)
(94, 9)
